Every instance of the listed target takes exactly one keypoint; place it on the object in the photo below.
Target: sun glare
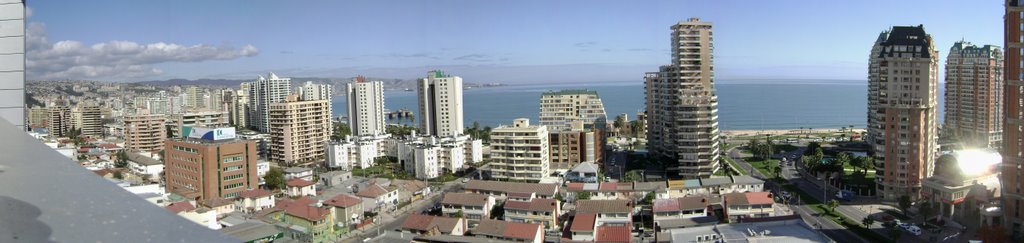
(974, 162)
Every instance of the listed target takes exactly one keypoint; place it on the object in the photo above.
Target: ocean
(742, 104)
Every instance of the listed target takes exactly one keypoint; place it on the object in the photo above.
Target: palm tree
(832, 205)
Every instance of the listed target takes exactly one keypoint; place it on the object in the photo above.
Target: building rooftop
(299, 182)
(143, 160)
(745, 179)
(583, 222)
(781, 231)
(715, 181)
(546, 190)
(749, 198)
(679, 204)
(296, 170)
(537, 204)
(343, 201)
(465, 199)
(250, 231)
(912, 36)
(421, 222)
(372, 191)
(254, 193)
(604, 206)
(613, 234)
(512, 230)
(570, 92)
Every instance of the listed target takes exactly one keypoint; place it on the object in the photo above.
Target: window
(232, 168)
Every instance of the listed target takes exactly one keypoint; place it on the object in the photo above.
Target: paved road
(830, 228)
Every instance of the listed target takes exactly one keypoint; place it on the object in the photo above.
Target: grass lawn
(852, 225)
(734, 165)
(858, 179)
(762, 165)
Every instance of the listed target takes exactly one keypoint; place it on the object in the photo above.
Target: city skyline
(536, 41)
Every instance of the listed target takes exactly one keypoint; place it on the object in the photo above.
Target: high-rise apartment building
(299, 130)
(440, 104)
(60, 121)
(365, 107)
(313, 91)
(12, 62)
(559, 109)
(682, 106)
(89, 119)
(263, 92)
(520, 152)
(974, 92)
(569, 148)
(180, 123)
(210, 163)
(902, 103)
(239, 106)
(38, 116)
(1012, 176)
(144, 132)
(194, 97)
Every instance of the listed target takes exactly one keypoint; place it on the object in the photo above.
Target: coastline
(777, 132)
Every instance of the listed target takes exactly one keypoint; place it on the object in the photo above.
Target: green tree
(777, 171)
(865, 163)
(340, 131)
(122, 159)
(632, 176)
(584, 195)
(558, 197)
(925, 210)
(867, 221)
(755, 147)
(275, 178)
(649, 198)
(904, 203)
(459, 214)
(832, 205)
(812, 147)
(118, 175)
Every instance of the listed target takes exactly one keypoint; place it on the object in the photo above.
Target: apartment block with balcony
(144, 132)
(682, 105)
(902, 103)
(1012, 177)
(520, 152)
(89, 120)
(559, 109)
(299, 130)
(181, 123)
(974, 95)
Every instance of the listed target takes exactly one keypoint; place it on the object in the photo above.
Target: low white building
(356, 151)
(253, 200)
(298, 187)
(298, 172)
(145, 165)
(429, 157)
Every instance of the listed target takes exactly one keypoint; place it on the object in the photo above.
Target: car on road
(464, 180)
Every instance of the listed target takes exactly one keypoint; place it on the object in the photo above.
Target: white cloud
(69, 59)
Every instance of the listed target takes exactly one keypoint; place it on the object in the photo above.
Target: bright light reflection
(974, 162)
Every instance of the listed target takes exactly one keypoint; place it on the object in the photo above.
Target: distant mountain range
(339, 83)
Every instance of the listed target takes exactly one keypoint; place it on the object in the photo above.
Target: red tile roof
(574, 186)
(109, 146)
(537, 204)
(426, 222)
(613, 234)
(307, 211)
(180, 207)
(298, 182)
(254, 193)
(343, 201)
(677, 204)
(759, 198)
(372, 191)
(514, 230)
(583, 222)
(215, 202)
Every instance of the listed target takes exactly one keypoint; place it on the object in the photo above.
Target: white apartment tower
(902, 101)
(263, 92)
(682, 107)
(365, 107)
(440, 104)
(559, 109)
(974, 93)
(520, 152)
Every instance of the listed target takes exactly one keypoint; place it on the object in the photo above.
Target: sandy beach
(734, 133)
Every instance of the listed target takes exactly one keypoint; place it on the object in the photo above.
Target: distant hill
(339, 83)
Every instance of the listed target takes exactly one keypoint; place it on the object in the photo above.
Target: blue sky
(482, 41)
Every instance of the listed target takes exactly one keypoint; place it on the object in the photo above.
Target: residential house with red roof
(433, 225)
(348, 210)
(509, 231)
(749, 205)
(308, 219)
(543, 211)
(671, 213)
(297, 187)
(253, 200)
(378, 197)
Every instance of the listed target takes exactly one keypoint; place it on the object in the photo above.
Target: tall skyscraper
(902, 102)
(682, 106)
(440, 104)
(313, 91)
(365, 107)
(263, 92)
(299, 130)
(559, 109)
(974, 92)
(1013, 131)
(240, 106)
(12, 62)
(144, 132)
(210, 163)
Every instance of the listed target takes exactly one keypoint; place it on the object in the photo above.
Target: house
(253, 200)
(500, 189)
(749, 205)
(745, 183)
(583, 227)
(298, 187)
(411, 190)
(348, 210)
(715, 185)
(335, 178)
(253, 231)
(201, 216)
(533, 210)
(145, 165)
(377, 198)
(585, 172)
(304, 218)
(613, 190)
(510, 231)
(221, 206)
(298, 172)
(471, 206)
(613, 234)
(433, 225)
(681, 212)
(615, 212)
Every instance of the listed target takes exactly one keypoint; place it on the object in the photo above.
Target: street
(389, 221)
